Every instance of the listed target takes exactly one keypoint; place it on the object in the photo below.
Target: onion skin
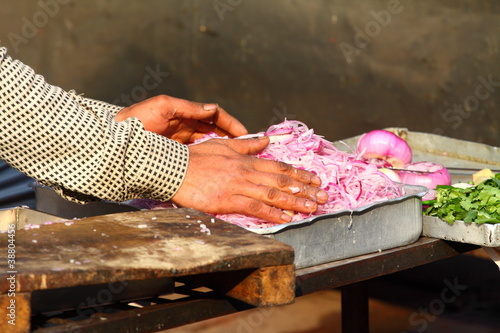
(437, 175)
(386, 146)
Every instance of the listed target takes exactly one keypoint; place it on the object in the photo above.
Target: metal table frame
(351, 275)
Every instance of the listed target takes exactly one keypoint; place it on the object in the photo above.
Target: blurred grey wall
(342, 67)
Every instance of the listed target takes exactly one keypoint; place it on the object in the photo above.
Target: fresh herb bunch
(479, 204)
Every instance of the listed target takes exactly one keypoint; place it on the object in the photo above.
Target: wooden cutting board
(147, 245)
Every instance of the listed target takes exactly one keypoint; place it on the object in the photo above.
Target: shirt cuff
(162, 168)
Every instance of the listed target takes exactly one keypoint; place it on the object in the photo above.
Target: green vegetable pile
(479, 204)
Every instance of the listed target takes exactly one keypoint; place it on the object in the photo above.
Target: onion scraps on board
(349, 181)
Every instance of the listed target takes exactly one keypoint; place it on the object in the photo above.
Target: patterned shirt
(74, 145)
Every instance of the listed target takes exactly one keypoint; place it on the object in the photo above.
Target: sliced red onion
(386, 147)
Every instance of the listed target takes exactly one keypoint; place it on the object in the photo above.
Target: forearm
(74, 145)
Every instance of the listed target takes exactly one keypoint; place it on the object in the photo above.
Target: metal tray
(381, 226)
(478, 234)
(22, 216)
(463, 158)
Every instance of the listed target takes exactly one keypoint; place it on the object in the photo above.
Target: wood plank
(266, 286)
(136, 246)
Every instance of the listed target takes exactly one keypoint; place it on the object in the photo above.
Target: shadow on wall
(136, 76)
(342, 67)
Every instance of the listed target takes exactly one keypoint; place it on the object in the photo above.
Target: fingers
(270, 204)
(193, 110)
(229, 124)
(301, 176)
(279, 175)
(243, 184)
(284, 183)
(247, 146)
(252, 207)
(274, 201)
(212, 118)
(219, 121)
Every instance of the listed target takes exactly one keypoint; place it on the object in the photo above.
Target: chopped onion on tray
(372, 173)
(350, 182)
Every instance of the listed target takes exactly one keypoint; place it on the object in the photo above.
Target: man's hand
(182, 120)
(222, 178)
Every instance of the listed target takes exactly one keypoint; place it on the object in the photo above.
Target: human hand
(222, 178)
(182, 120)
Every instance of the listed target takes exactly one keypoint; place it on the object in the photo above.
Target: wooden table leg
(355, 314)
(265, 286)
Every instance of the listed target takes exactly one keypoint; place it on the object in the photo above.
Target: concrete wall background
(342, 67)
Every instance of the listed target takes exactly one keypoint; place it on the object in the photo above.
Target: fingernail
(210, 107)
(310, 204)
(322, 196)
(316, 180)
(286, 217)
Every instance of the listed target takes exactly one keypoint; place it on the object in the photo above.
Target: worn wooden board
(136, 246)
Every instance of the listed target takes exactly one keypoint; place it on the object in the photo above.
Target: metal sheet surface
(347, 234)
(48, 201)
(21, 216)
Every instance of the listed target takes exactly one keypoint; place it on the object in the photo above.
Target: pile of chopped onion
(349, 181)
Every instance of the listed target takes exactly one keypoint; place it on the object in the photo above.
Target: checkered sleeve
(74, 145)
(93, 103)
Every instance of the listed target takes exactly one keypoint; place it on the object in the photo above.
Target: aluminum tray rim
(409, 191)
